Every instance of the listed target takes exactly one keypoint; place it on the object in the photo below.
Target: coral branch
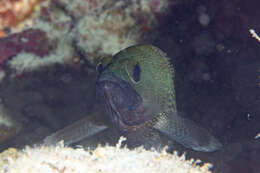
(254, 35)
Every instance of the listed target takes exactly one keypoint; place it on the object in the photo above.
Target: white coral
(26, 62)
(103, 159)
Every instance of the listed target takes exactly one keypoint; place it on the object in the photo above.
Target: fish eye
(136, 73)
(133, 70)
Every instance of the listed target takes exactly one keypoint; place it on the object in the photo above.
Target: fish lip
(121, 101)
(110, 77)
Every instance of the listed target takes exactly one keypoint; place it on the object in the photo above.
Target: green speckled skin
(156, 88)
(156, 73)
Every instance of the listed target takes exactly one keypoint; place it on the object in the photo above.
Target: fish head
(133, 85)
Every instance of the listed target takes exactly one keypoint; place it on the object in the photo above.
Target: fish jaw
(122, 103)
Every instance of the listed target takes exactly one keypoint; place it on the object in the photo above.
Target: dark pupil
(136, 73)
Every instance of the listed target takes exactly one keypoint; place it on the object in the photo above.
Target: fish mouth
(121, 102)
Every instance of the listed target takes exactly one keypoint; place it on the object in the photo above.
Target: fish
(136, 90)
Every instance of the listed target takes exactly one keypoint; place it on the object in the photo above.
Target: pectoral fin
(187, 133)
(84, 128)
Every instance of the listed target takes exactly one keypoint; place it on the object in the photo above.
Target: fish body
(136, 89)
